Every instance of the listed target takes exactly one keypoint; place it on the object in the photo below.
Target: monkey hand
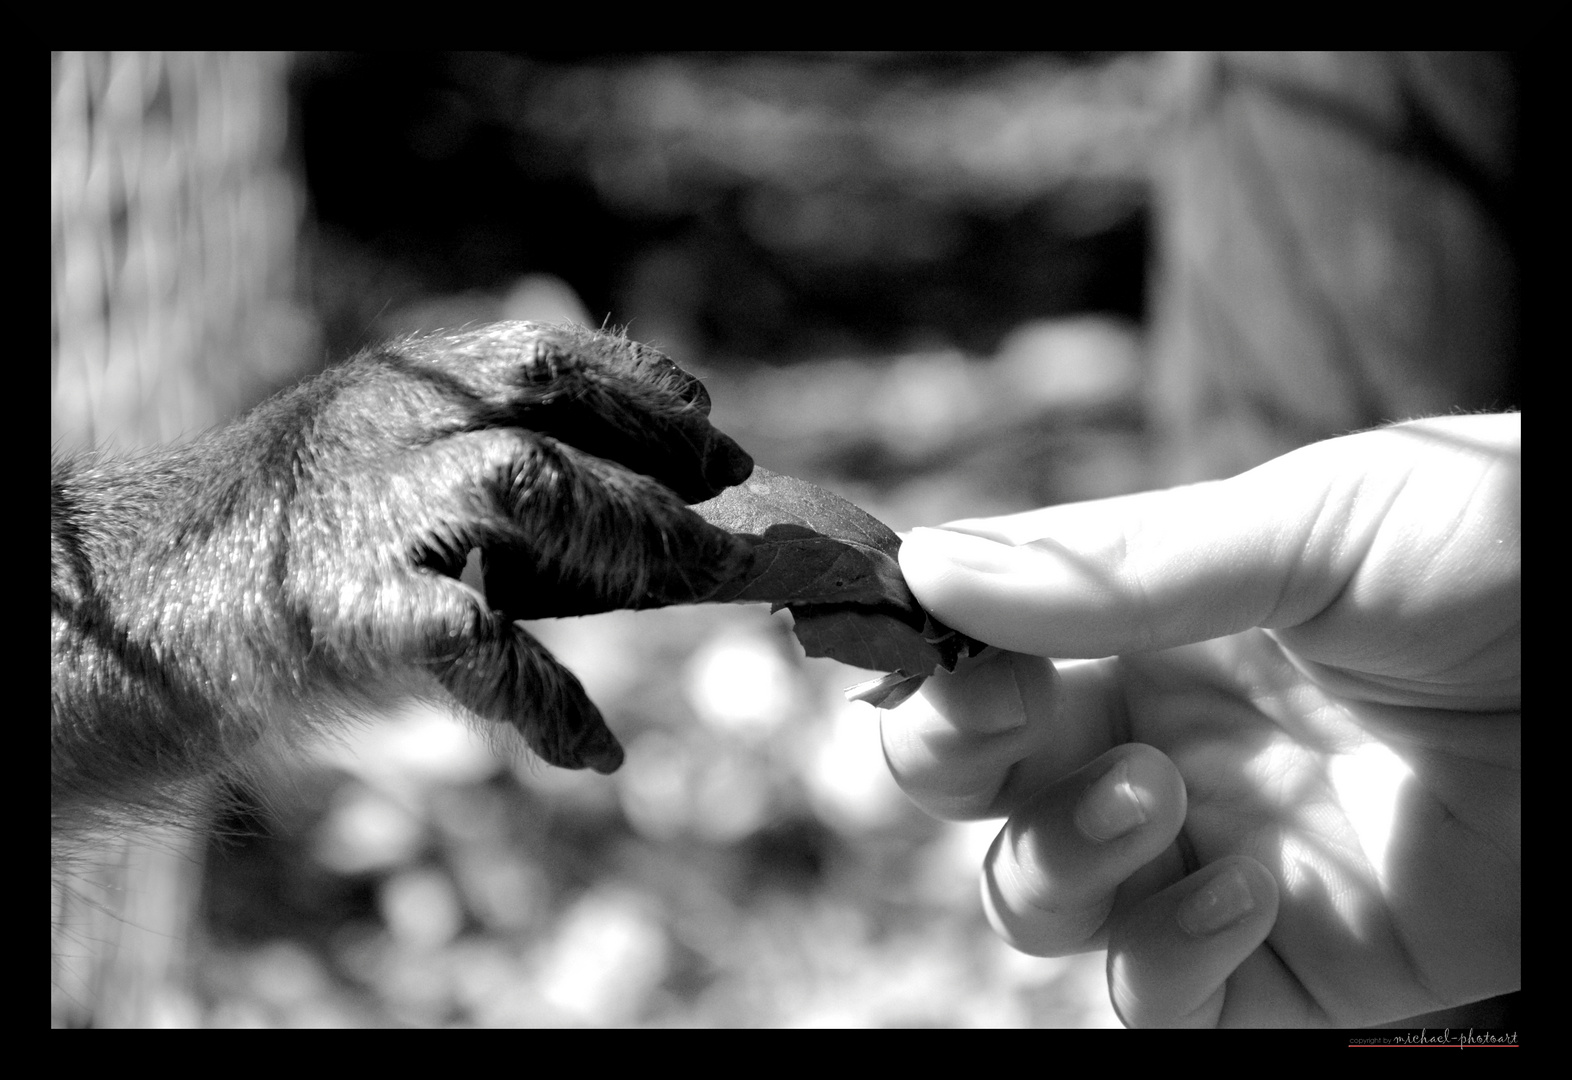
(305, 561)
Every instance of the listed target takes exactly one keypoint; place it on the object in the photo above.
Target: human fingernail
(994, 695)
(1218, 904)
(984, 695)
(1111, 807)
(964, 549)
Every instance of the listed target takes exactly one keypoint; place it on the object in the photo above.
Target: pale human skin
(1282, 785)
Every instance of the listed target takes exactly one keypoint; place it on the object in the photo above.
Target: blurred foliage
(751, 864)
(737, 206)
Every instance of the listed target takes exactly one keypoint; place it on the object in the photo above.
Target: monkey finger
(602, 393)
(507, 677)
(587, 535)
(417, 619)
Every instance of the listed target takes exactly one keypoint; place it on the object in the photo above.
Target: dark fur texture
(302, 564)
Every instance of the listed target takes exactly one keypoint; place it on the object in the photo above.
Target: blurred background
(940, 284)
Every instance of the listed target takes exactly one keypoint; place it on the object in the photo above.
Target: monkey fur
(302, 564)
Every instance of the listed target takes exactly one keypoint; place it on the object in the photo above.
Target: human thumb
(1096, 579)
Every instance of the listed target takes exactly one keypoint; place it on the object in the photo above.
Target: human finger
(952, 746)
(983, 741)
(1171, 955)
(1107, 577)
(1051, 878)
(1344, 520)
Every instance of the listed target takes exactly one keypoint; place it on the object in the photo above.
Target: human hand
(304, 562)
(1286, 789)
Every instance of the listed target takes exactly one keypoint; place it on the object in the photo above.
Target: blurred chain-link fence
(174, 218)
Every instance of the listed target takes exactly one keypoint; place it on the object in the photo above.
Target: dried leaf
(865, 639)
(810, 547)
(887, 691)
(835, 567)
